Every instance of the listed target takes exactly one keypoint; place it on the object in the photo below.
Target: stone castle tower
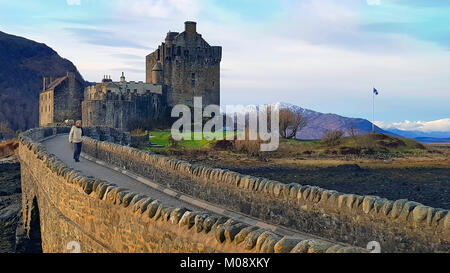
(187, 66)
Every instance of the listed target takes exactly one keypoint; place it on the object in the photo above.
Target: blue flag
(375, 91)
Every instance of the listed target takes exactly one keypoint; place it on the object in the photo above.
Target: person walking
(75, 137)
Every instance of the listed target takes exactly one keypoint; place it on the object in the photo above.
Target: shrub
(222, 145)
(250, 147)
(172, 142)
(332, 138)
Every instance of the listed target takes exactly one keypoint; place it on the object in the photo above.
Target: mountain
(426, 137)
(433, 139)
(23, 63)
(318, 123)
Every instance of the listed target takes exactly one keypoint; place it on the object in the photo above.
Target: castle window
(193, 83)
(213, 83)
(193, 76)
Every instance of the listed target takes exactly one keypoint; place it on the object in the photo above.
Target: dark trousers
(77, 150)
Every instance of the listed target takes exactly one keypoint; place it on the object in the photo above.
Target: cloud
(103, 38)
(161, 9)
(373, 2)
(440, 125)
(73, 2)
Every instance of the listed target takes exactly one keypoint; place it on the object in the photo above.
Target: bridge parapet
(399, 225)
(70, 207)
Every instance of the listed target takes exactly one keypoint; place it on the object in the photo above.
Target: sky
(323, 55)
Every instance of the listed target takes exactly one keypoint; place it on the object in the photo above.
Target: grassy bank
(373, 164)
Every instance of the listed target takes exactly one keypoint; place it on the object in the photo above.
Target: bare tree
(353, 131)
(332, 138)
(291, 122)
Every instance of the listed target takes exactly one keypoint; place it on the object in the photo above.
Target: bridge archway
(34, 231)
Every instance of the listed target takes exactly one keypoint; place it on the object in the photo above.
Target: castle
(183, 67)
(187, 66)
(60, 99)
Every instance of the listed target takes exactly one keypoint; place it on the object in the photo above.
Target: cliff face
(23, 63)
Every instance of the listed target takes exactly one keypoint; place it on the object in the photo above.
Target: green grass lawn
(162, 138)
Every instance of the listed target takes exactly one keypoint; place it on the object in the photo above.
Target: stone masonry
(60, 99)
(61, 205)
(115, 104)
(187, 66)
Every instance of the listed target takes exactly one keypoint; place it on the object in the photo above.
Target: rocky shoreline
(10, 203)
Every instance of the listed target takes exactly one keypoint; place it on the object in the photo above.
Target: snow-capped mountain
(318, 122)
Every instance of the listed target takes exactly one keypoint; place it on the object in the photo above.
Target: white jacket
(75, 134)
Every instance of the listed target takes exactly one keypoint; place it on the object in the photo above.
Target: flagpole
(373, 110)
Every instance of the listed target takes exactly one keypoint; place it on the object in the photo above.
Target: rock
(240, 237)
(447, 221)
(379, 203)
(262, 238)
(209, 222)
(176, 215)
(221, 220)
(397, 208)
(198, 222)
(153, 208)
(269, 243)
(277, 189)
(387, 207)
(220, 233)
(293, 192)
(407, 208)
(302, 247)
(305, 192)
(319, 247)
(285, 245)
(187, 219)
(231, 231)
(420, 213)
(368, 203)
(143, 204)
(252, 237)
(127, 199)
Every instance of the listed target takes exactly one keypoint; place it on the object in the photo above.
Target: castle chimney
(190, 27)
(122, 78)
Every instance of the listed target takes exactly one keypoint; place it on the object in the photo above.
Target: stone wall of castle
(63, 207)
(190, 67)
(399, 226)
(118, 113)
(61, 101)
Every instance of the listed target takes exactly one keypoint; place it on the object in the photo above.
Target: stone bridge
(120, 199)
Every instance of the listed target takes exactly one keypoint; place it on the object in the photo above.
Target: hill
(23, 63)
(318, 123)
(425, 137)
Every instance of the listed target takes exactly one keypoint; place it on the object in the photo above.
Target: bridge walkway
(59, 146)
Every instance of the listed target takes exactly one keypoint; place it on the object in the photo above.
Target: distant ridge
(319, 123)
(23, 63)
